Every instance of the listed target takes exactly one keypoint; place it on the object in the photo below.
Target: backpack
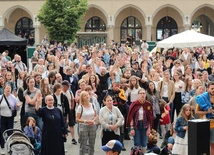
(136, 151)
(96, 121)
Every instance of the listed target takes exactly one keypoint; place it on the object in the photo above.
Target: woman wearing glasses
(140, 119)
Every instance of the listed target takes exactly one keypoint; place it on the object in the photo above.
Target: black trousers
(177, 105)
(156, 122)
(109, 135)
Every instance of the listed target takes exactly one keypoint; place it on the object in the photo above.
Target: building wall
(113, 12)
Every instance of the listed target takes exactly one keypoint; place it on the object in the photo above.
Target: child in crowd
(33, 133)
(152, 142)
(165, 117)
(181, 140)
(169, 133)
(167, 150)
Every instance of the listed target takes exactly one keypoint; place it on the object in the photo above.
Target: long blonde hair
(81, 99)
(182, 112)
(131, 86)
(44, 90)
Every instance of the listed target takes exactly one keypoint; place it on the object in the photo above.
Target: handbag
(136, 151)
(14, 112)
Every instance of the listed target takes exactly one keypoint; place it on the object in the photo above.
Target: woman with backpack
(86, 116)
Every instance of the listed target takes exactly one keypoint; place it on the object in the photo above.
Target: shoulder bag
(14, 112)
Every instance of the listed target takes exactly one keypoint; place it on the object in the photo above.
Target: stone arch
(123, 13)
(130, 6)
(93, 11)
(8, 13)
(168, 6)
(99, 8)
(199, 8)
(204, 15)
(168, 10)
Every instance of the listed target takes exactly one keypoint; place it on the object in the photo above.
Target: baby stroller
(17, 143)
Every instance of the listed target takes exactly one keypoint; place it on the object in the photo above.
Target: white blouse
(179, 86)
(133, 93)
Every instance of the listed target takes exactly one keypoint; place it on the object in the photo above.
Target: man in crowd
(205, 107)
(37, 78)
(70, 97)
(113, 147)
(119, 100)
(19, 65)
(70, 78)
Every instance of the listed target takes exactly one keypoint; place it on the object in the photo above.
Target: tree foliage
(62, 18)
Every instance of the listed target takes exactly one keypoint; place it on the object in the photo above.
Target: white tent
(189, 38)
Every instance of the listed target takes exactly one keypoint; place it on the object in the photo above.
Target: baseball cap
(171, 140)
(134, 62)
(66, 83)
(69, 68)
(113, 145)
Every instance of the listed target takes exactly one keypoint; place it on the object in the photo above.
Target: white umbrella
(189, 38)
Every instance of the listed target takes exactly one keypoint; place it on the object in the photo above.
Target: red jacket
(136, 105)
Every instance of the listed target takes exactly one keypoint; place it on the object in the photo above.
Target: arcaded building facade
(120, 20)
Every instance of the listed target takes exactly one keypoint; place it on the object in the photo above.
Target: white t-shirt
(70, 96)
(165, 89)
(140, 117)
(87, 113)
(59, 104)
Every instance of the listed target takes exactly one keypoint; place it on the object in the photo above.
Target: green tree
(62, 18)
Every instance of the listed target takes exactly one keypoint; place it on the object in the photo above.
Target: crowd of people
(126, 90)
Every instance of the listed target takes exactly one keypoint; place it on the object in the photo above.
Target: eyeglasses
(141, 93)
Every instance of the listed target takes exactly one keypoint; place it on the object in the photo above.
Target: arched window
(130, 30)
(24, 27)
(95, 24)
(166, 27)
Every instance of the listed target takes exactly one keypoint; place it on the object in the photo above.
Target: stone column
(148, 32)
(148, 25)
(36, 25)
(187, 22)
(111, 26)
(1, 23)
(37, 34)
(187, 27)
(110, 33)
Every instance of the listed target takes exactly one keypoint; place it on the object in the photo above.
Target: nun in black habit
(54, 131)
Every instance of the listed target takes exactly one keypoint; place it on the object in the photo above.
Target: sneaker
(66, 151)
(73, 141)
(123, 148)
(2, 151)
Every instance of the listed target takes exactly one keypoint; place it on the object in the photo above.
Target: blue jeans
(6, 123)
(140, 138)
(38, 119)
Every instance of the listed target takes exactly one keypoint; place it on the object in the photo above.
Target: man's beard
(211, 94)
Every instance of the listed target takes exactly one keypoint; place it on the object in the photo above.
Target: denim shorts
(140, 138)
(212, 135)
